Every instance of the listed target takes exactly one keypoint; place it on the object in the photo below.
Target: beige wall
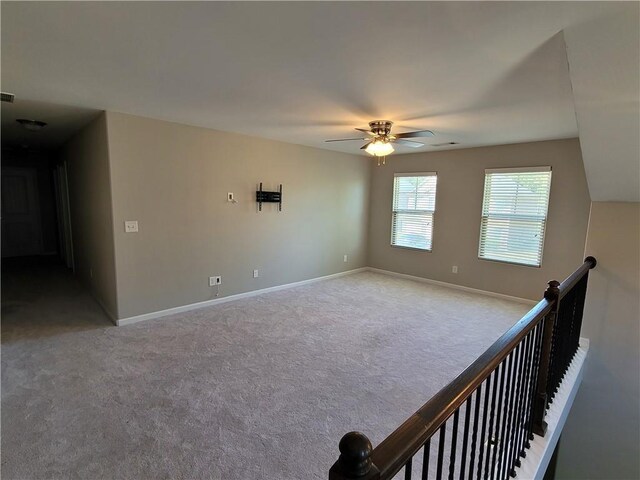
(173, 179)
(457, 217)
(601, 438)
(87, 157)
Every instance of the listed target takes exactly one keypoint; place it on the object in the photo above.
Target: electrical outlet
(213, 281)
(255, 273)
(454, 269)
(345, 258)
(131, 226)
(230, 197)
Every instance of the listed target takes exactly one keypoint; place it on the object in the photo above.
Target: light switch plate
(131, 226)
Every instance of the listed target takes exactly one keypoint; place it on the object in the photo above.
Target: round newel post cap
(553, 290)
(592, 261)
(355, 454)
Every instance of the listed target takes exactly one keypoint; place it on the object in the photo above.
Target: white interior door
(21, 227)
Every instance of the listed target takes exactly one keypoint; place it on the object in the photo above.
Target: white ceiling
(478, 73)
(62, 122)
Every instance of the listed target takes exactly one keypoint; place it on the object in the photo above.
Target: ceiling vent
(444, 144)
(7, 97)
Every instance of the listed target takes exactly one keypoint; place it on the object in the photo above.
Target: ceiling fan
(380, 139)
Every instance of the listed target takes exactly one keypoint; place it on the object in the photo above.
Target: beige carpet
(261, 388)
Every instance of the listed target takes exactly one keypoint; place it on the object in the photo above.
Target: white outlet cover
(255, 274)
(131, 226)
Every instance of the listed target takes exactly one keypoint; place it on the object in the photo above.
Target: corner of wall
(91, 208)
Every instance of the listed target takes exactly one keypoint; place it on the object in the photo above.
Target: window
(414, 202)
(514, 214)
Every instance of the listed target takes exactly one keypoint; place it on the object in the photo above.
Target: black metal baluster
(531, 383)
(407, 469)
(467, 420)
(426, 451)
(576, 325)
(535, 351)
(522, 382)
(525, 395)
(580, 312)
(501, 446)
(490, 440)
(474, 436)
(511, 430)
(503, 453)
(553, 360)
(562, 330)
(571, 329)
(534, 377)
(485, 416)
(441, 447)
(454, 441)
(515, 433)
(497, 433)
(563, 318)
(557, 348)
(552, 355)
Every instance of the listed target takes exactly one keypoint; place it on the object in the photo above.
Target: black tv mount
(269, 197)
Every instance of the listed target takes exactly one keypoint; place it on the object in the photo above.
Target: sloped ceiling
(477, 73)
(604, 58)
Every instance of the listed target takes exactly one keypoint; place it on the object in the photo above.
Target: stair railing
(480, 425)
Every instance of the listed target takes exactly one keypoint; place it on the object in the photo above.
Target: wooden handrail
(393, 453)
(575, 277)
(402, 444)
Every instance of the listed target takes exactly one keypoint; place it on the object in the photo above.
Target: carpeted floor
(261, 388)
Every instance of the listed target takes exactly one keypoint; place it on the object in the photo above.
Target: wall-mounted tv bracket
(269, 197)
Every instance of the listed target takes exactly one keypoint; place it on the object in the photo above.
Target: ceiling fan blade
(368, 132)
(418, 133)
(363, 147)
(345, 139)
(408, 143)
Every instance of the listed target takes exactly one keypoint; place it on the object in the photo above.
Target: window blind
(514, 215)
(414, 203)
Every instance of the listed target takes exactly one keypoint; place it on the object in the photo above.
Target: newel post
(551, 294)
(355, 459)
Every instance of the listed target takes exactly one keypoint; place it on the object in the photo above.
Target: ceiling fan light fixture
(379, 148)
(33, 125)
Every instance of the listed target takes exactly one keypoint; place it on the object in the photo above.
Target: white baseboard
(230, 298)
(526, 301)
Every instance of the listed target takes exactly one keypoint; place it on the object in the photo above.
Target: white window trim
(545, 168)
(433, 213)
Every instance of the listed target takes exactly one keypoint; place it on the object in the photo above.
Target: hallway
(41, 297)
